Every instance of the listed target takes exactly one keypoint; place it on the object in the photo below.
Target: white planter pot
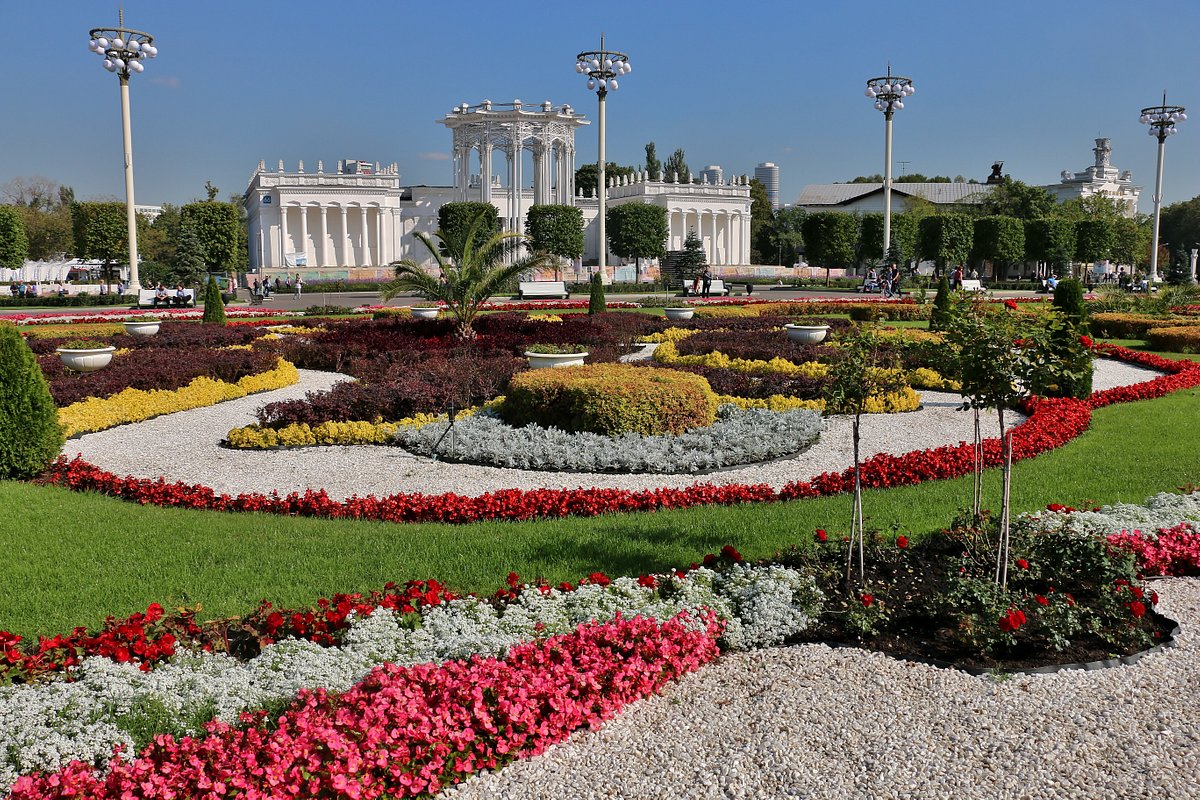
(543, 360)
(142, 327)
(425, 313)
(679, 313)
(807, 334)
(85, 360)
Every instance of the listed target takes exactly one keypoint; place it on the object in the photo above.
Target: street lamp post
(123, 50)
(1161, 120)
(603, 68)
(888, 92)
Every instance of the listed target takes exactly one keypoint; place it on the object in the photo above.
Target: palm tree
(469, 274)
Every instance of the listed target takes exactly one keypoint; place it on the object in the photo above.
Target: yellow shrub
(301, 434)
(1133, 326)
(545, 318)
(728, 311)
(667, 353)
(135, 405)
(85, 330)
(925, 378)
(1175, 339)
(775, 402)
(610, 399)
(669, 335)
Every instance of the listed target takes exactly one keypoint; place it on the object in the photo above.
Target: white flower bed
(737, 437)
(45, 726)
(1161, 511)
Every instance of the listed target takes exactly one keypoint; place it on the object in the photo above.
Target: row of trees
(43, 221)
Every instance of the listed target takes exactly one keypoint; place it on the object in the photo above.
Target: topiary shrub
(610, 399)
(596, 298)
(1068, 298)
(30, 436)
(939, 317)
(214, 306)
(1178, 339)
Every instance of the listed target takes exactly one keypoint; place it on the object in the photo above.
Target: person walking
(706, 282)
(956, 278)
(297, 286)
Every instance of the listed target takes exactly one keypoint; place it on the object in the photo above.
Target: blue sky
(1031, 83)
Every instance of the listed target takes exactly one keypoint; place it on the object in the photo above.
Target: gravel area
(344, 471)
(813, 721)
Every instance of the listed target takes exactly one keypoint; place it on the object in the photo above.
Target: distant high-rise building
(712, 174)
(767, 174)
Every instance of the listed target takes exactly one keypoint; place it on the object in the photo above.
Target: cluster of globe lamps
(121, 54)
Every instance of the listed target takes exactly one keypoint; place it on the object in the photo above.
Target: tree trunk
(1002, 555)
(977, 499)
(856, 520)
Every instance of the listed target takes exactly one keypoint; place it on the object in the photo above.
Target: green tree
(1131, 241)
(455, 220)
(762, 246)
(101, 234)
(14, 245)
(1050, 240)
(946, 239)
(214, 306)
(637, 230)
(45, 207)
(1179, 224)
(596, 304)
(557, 230)
(677, 168)
(693, 259)
(190, 264)
(471, 268)
(906, 229)
(210, 191)
(1094, 240)
(586, 176)
(870, 238)
(863, 370)
(218, 226)
(829, 239)
(30, 436)
(1011, 198)
(785, 236)
(939, 316)
(998, 239)
(653, 165)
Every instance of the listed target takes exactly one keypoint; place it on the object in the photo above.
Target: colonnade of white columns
(365, 239)
(726, 235)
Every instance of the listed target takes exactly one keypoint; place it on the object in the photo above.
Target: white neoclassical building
(1102, 178)
(354, 220)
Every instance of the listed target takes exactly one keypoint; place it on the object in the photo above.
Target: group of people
(886, 281)
(265, 288)
(702, 282)
(164, 297)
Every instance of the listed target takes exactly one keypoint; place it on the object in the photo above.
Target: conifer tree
(30, 436)
(214, 306)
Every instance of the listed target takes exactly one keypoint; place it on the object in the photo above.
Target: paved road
(288, 302)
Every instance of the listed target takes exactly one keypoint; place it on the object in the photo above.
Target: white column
(324, 236)
(380, 256)
(304, 230)
(366, 240)
(347, 249)
(485, 172)
(283, 236)
(539, 163)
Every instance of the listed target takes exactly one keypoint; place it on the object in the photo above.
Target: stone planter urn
(678, 313)
(807, 334)
(85, 360)
(425, 313)
(146, 327)
(543, 360)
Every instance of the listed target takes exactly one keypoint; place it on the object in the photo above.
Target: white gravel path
(818, 722)
(141, 450)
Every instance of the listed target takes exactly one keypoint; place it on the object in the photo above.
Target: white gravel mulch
(185, 447)
(819, 722)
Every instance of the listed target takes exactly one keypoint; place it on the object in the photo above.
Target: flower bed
(135, 405)
(117, 316)
(407, 731)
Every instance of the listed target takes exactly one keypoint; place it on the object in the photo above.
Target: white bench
(972, 285)
(146, 298)
(531, 289)
(716, 288)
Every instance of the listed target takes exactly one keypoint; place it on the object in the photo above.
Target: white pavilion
(354, 220)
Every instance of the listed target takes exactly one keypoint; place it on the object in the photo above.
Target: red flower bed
(407, 731)
(58, 317)
(1181, 375)
(146, 639)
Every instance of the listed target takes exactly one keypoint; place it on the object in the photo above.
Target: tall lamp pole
(888, 92)
(123, 50)
(602, 67)
(1161, 120)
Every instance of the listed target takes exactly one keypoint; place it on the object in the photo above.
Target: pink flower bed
(58, 317)
(1172, 551)
(407, 731)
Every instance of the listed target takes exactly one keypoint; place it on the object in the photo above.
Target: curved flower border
(1051, 424)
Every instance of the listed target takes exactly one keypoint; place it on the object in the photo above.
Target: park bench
(146, 298)
(717, 288)
(528, 290)
(972, 285)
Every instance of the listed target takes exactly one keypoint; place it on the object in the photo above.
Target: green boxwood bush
(214, 305)
(610, 399)
(30, 436)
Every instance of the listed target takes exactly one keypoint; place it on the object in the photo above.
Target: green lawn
(72, 558)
